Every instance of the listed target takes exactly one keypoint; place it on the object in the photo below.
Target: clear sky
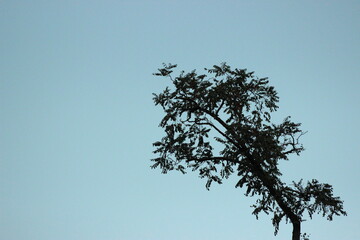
(77, 120)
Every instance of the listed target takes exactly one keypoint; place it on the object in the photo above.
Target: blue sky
(77, 119)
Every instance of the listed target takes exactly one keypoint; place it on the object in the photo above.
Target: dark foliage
(235, 107)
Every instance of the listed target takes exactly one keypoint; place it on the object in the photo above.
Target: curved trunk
(264, 177)
(295, 220)
(296, 230)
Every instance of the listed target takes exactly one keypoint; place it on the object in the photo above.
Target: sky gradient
(77, 121)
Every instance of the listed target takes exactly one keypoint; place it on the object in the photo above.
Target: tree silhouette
(235, 107)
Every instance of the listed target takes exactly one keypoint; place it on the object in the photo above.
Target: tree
(235, 107)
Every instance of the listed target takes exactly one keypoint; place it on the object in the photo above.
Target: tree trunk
(296, 230)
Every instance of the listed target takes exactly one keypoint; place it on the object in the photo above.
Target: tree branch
(221, 105)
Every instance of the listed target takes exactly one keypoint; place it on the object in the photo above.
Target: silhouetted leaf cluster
(236, 107)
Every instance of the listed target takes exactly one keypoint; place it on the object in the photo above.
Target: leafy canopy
(235, 107)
